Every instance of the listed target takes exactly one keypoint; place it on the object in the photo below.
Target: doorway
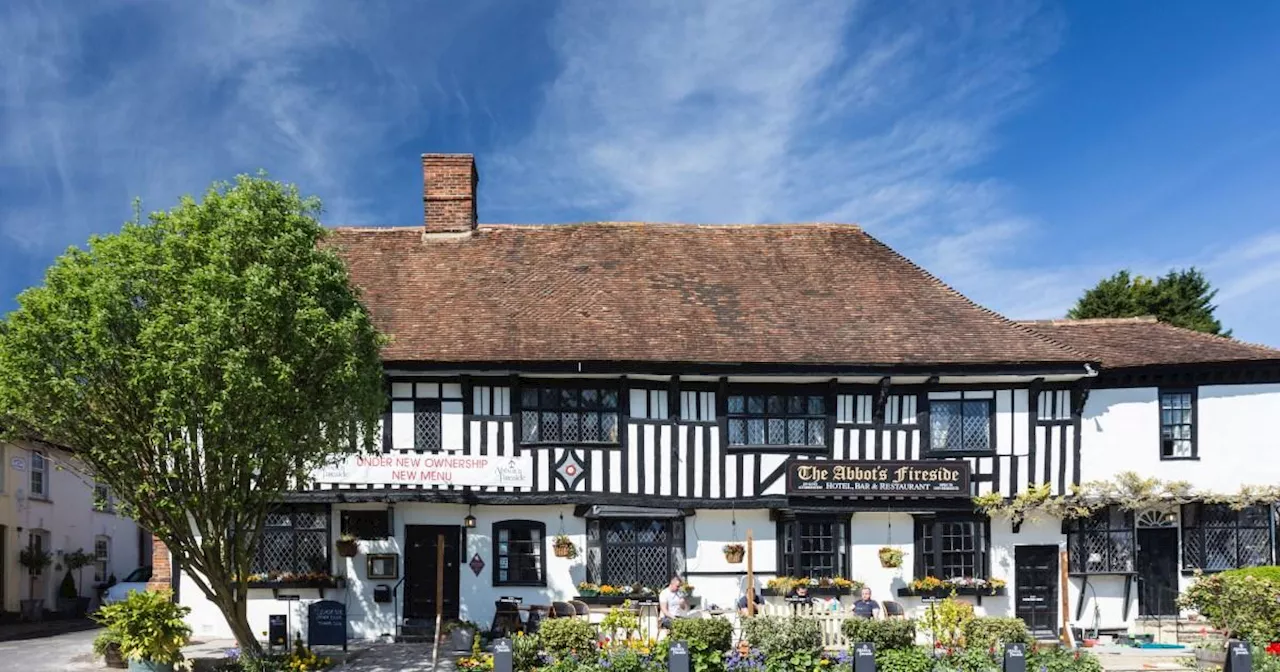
(420, 570)
(1035, 581)
(1157, 567)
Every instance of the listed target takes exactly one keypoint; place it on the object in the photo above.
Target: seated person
(671, 603)
(742, 603)
(800, 595)
(866, 607)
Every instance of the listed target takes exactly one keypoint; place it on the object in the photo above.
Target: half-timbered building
(653, 392)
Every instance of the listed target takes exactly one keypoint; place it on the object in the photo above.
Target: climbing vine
(1128, 491)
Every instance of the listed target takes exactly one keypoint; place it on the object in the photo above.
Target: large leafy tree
(1182, 298)
(199, 363)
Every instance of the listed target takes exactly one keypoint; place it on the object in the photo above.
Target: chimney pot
(449, 193)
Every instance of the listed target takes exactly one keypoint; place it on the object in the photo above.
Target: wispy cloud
(783, 111)
(105, 101)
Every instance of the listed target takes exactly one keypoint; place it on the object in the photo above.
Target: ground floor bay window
(635, 551)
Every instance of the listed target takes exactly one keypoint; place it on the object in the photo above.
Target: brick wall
(449, 192)
(161, 566)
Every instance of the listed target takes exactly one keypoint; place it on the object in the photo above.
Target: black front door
(420, 570)
(1157, 565)
(1035, 581)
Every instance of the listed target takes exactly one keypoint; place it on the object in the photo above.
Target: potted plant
(588, 589)
(151, 629)
(107, 645)
(35, 560)
(348, 545)
(890, 556)
(67, 597)
(733, 553)
(462, 634)
(564, 547)
(76, 561)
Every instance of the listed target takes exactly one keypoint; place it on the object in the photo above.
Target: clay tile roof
(777, 294)
(1144, 341)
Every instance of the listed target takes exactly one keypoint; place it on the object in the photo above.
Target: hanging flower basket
(890, 557)
(564, 547)
(733, 553)
(347, 547)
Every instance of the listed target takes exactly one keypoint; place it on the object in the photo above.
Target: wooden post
(435, 650)
(751, 576)
(1065, 585)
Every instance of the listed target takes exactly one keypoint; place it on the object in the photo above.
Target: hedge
(715, 633)
(562, 636)
(898, 633)
(989, 631)
(778, 636)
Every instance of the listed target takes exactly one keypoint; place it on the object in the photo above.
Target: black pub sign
(924, 478)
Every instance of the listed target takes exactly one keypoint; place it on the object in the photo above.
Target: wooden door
(420, 570)
(1035, 580)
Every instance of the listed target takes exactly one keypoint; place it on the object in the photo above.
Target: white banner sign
(460, 470)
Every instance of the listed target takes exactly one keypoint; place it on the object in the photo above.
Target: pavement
(73, 652)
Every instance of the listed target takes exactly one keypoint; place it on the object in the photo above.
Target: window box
(940, 593)
(276, 584)
(813, 592)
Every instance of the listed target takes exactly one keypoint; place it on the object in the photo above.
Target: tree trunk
(236, 611)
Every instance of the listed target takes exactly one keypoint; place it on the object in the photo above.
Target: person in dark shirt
(866, 607)
(742, 603)
(800, 595)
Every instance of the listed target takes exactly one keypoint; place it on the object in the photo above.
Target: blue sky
(1019, 150)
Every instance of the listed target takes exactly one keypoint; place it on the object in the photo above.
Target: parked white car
(136, 580)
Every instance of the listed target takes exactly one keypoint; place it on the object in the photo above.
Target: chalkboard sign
(678, 657)
(1015, 658)
(502, 660)
(278, 630)
(1239, 658)
(327, 624)
(864, 657)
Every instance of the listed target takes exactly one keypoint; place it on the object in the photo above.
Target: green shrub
(525, 652)
(67, 590)
(1268, 572)
(913, 659)
(1054, 659)
(628, 660)
(150, 626)
(1239, 603)
(563, 636)
(715, 633)
(971, 660)
(946, 621)
(776, 636)
(990, 632)
(897, 633)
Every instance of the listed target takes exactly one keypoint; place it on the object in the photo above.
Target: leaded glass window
(1102, 543)
(960, 425)
(294, 539)
(635, 551)
(1177, 424)
(518, 547)
(426, 424)
(777, 420)
(813, 546)
(950, 547)
(571, 415)
(1217, 537)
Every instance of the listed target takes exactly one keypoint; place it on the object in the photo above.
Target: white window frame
(102, 490)
(101, 561)
(43, 471)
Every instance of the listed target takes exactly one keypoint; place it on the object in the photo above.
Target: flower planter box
(1210, 657)
(315, 584)
(943, 593)
(813, 592)
(615, 600)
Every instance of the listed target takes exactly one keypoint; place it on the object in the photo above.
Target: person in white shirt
(671, 603)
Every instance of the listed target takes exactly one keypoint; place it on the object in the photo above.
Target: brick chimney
(449, 193)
